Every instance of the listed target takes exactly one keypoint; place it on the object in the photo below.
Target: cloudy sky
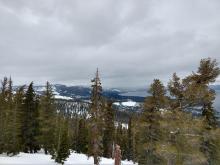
(130, 41)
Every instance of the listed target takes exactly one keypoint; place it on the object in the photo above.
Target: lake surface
(217, 101)
(144, 93)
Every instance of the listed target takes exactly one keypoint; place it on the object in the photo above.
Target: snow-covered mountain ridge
(122, 96)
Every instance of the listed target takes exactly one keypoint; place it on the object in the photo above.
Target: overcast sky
(130, 41)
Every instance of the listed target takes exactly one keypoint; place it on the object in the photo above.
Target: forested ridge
(163, 132)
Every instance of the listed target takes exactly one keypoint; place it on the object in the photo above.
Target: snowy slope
(42, 159)
(128, 103)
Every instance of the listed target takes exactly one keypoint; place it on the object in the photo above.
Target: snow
(127, 103)
(42, 159)
(117, 103)
(24, 158)
(63, 97)
(116, 90)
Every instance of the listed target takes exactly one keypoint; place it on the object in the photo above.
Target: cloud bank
(131, 42)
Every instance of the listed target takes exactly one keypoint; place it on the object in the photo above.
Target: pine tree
(150, 132)
(82, 138)
(108, 136)
(198, 93)
(61, 151)
(30, 127)
(17, 119)
(3, 114)
(13, 127)
(209, 114)
(96, 121)
(158, 99)
(130, 140)
(121, 139)
(176, 90)
(197, 87)
(124, 145)
(47, 120)
(119, 135)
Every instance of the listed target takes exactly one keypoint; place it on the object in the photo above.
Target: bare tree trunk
(117, 155)
(96, 161)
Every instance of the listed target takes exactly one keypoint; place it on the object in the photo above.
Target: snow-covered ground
(42, 159)
(124, 125)
(127, 103)
(63, 97)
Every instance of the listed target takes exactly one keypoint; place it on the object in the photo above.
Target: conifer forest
(162, 132)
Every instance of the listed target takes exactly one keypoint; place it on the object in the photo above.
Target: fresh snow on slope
(42, 159)
(127, 103)
(63, 97)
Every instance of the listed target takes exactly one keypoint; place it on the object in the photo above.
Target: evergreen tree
(30, 127)
(9, 119)
(62, 147)
(158, 99)
(214, 142)
(118, 134)
(121, 139)
(13, 127)
(198, 93)
(181, 138)
(176, 90)
(47, 120)
(150, 133)
(3, 114)
(124, 145)
(209, 114)
(135, 133)
(130, 140)
(108, 136)
(82, 138)
(17, 119)
(96, 121)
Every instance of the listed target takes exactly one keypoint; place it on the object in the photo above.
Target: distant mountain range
(124, 99)
(117, 95)
(83, 93)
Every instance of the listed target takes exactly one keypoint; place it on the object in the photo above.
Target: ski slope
(42, 159)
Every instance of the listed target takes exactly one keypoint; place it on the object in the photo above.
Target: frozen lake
(143, 93)
(217, 101)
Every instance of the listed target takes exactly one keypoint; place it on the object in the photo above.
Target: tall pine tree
(150, 132)
(176, 90)
(109, 128)
(30, 127)
(3, 114)
(17, 119)
(47, 120)
(13, 120)
(130, 140)
(96, 121)
(82, 138)
(62, 146)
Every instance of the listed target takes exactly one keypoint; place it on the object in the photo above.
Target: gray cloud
(132, 42)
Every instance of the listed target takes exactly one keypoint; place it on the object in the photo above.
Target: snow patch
(42, 159)
(127, 103)
(117, 103)
(63, 97)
